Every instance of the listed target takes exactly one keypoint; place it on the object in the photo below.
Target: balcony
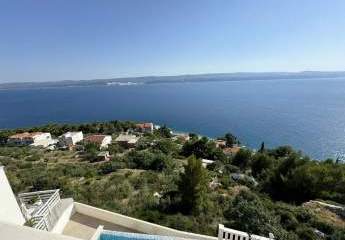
(41, 209)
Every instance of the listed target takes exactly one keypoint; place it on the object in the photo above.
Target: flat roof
(82, 226)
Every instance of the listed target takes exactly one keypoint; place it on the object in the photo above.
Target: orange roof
(25, 135)
(144, 125)
(95, 138)
(231, 150)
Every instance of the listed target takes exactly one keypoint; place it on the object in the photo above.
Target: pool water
(114, 235)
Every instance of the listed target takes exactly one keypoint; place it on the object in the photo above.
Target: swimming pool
(114, 235)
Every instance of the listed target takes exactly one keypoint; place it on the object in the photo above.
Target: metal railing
(45, 215)
(231, 234)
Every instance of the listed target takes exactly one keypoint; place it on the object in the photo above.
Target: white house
(70, 138)
(31, 138)
(206, 162)
(102, 140)
(184, 137)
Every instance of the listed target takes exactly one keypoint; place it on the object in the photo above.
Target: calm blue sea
(307, 114)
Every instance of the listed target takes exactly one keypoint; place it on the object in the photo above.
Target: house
(220, 143)
(103, 156)
(231, 151)
(101, 140)
(145, 127)
(70, 138)
(127, 140)
(31, 138)
(47, 216)
(183, 137)
(206, 162)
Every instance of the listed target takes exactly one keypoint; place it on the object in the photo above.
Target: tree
(242, 158)
(262, 147)
(193, 187)
(338, 235)
(164, 131)
(282, 151)
(202, 148)
(261, 163)
(91, 150)
(248, 213)
(230, 140)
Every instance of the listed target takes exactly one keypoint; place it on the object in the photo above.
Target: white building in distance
(70, 138)
(31, 138)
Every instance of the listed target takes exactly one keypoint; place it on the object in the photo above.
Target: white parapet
(230, 234)
(9, 208)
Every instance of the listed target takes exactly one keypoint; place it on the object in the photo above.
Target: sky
(53, 40)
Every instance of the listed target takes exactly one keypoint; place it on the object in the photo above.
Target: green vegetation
(162, 180)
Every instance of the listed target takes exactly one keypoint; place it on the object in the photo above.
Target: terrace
(45, 208)
(90, 223)
(84, 227)
(42, 209)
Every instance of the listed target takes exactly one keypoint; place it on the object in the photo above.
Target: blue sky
(61, 40)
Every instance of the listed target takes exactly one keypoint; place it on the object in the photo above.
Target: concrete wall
(136, 224)
(68, 211)
(9, 208)
(15, 232)
(98, 233)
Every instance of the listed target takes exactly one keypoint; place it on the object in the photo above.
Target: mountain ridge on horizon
(204, 77)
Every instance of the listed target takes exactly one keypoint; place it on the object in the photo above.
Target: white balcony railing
(44, 211)
(231, 234)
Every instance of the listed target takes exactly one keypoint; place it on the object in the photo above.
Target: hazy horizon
(64, 40)
(179, 75)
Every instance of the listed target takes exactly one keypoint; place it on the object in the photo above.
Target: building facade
(31, 138)
(70, 138)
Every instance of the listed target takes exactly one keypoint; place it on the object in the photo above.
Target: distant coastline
(216, 77)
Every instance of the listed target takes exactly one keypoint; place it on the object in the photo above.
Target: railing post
(45, 224)
(220, 231)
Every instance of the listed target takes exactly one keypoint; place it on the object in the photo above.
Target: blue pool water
(113, 235)
(307, 114)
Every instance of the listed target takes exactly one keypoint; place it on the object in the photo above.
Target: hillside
(161, 179)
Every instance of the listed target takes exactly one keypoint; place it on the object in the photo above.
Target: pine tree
(193, 187)
(262, 148)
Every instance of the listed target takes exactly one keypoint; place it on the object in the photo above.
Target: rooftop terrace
(84, 227)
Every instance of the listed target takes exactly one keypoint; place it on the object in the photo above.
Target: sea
(308, 114)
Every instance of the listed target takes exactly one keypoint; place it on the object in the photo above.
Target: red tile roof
(231, 150)
(25, 135)
(144, 125)
(95, 138)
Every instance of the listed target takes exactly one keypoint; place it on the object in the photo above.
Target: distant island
(243, 76)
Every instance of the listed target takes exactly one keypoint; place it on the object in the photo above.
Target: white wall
(9, 208)
(136, 224)
(65, 216)
(15, 232)
(106, 141)
(43, 139)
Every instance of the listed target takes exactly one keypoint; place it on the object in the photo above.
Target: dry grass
(324, 214)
